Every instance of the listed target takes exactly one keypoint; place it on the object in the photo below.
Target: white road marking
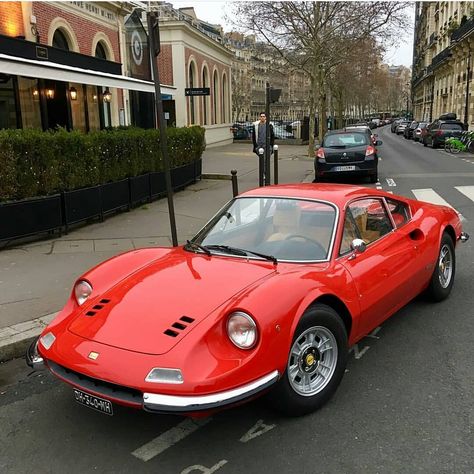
(258, 429)
(429, 195)
(468, 191)
(390, 182)
(203, 469)
(358, 353)
(373, 334)
(379, 187)
(169, 438)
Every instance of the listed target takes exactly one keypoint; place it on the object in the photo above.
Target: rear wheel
(316, 362)
(442, 279)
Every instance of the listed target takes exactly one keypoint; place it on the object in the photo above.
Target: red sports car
(268, 296)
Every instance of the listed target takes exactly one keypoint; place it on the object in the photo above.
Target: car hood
(152, 309)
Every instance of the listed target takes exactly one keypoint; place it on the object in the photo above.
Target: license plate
(91, 401)
(344, 168)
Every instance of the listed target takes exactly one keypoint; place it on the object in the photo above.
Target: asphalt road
(405, 404)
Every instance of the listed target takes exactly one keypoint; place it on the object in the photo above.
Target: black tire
(442, 281)
(424, 143)
(285, 397)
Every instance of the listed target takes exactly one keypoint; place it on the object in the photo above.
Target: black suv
(446, 126)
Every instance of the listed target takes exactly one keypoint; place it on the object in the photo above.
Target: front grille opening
(170, 332)
(90, 313)
(97, 306)
(104, 301)
(186, 319)
(179, 326)
(107, 389)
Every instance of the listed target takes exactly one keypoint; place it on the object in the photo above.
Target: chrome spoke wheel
(445, 266)
(312, 361)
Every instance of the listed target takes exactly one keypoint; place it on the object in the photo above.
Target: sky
(214, 12)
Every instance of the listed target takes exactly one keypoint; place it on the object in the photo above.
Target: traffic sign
(191, 91)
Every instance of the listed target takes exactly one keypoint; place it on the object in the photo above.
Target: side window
(349, 233)
(371, 219)
(400, 212)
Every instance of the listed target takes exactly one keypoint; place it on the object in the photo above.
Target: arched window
(205, 83)
(192, 105)
(224, 98)
(215, 96)
(60, 41)
(100, 51)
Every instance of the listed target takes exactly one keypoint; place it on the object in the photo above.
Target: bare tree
(319, 36)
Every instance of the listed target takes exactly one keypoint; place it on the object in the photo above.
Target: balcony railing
(432, 40)
(463, 31)
(441, 57)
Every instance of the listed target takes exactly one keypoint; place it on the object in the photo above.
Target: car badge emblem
(344, 156)
(93, 355)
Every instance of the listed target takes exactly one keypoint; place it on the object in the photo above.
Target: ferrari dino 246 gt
(267, 297)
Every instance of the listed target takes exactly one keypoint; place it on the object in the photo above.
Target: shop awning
(58, 72)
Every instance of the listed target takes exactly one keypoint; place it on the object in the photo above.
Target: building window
(205, 83)
(29, 93)
(215, 96)
(192, 105)
(78, 108)
(8, 113)
(60, 41)
(92, 108)
(224, 99)
(100, 51)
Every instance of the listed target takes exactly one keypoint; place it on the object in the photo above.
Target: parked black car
(350, 153)
(241, 131)
(410, 130)
(446, 126)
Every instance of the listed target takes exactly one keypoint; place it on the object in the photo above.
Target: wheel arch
(451, 232)
(341, 309)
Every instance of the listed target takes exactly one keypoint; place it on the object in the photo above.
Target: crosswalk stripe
(429, 195)
(468, 191)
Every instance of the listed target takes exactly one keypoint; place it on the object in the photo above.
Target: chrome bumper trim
(33, 357)
(176, 404)
(464, 237)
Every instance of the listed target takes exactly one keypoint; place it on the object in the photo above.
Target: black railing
(439, 58)
(464, 30)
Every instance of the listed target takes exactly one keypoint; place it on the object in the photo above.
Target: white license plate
(91, 401)
(344, 168)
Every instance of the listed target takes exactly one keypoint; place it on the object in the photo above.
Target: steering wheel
(321, 249)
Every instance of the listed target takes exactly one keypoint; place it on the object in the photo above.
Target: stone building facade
(442, 62)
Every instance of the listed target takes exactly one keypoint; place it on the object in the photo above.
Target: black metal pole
(466, 107)
(235, 185)
(152, 21)
(267, 135)
(275, 164)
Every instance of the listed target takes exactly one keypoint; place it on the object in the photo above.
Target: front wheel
(442, 279)
(316, 362)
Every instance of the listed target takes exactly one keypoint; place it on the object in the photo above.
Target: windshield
(345, 140)
(287, 229)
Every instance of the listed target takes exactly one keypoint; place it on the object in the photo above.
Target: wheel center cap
(310, 359)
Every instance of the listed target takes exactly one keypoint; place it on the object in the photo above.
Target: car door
(383, 272)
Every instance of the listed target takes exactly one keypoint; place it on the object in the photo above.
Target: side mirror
(378, 143)
(358, 245)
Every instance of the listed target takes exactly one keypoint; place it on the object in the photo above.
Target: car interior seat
(286, 221)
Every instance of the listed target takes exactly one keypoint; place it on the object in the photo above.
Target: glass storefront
(29, 93)
(76, 95)
(93, 108)
(8, 111)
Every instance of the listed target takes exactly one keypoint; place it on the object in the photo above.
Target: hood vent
(97, 307)
(179, 326)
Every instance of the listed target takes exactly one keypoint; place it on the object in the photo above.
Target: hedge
(36, 163)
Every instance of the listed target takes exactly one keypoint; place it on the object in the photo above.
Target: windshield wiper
(195, 245)
(243, 252)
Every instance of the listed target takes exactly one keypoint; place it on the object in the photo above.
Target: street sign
(191, 91)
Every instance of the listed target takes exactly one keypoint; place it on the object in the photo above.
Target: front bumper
(186, 404)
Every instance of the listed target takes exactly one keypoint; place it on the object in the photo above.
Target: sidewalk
(36, 278)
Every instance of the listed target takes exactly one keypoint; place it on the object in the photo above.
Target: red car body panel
(139, 295)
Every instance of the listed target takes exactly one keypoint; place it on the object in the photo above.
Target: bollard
(261, 164)
(275, 164)
(267, 169)
(235, 186)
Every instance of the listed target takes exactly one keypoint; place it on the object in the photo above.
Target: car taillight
(320, 153)
(439, 133)
(370, 151)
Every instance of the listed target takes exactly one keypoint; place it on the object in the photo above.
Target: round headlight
(82, 291)
(242, 330)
